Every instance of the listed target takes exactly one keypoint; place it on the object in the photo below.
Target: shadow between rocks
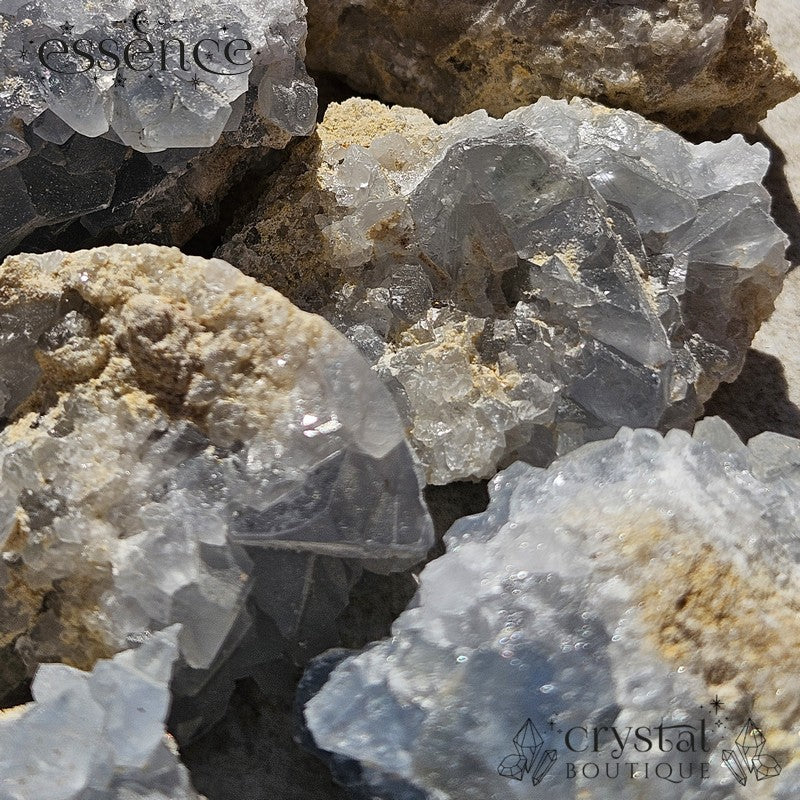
(758, 400)
(250, 753)
(784, 208)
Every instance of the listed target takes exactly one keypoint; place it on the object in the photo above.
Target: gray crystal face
(167, 77)
(90, 191)
(182, 445)
(637, 582)
(97, 735)
(704, 65)
(528, 284)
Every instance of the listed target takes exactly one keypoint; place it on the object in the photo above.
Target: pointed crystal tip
(750, 741)
(528, 742)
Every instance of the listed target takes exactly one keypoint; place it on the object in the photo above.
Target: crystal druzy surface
(173, 75)
(182, 445)
(638, 581)
(526, 284)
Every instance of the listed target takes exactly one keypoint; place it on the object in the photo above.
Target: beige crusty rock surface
(704, 65)
(179, 438)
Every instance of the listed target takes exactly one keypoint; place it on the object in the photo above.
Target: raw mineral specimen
(97, 735)
(79, 98)
(704, 65)
(525, 284)
(173, 76)
(640, 584)
(182, 445)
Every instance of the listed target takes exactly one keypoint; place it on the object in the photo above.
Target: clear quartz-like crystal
(98, 734)
(175, 86)
(132, 154)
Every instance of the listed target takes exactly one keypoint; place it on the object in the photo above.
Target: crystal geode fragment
(182, 445)
(641, 589)
(97, 735)
(699, 66)
(82, 138)
(525, 284)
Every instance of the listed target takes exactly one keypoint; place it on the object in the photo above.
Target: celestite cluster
(636, 583)
(91, 94)
(174, 75)
(96, 735)
(182, 445)
(214, 470)
(526, 284)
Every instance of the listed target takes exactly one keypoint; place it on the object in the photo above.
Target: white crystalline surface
(179, 439)
(98, 735)
(527, 284)
(630, 584)
(158, 97)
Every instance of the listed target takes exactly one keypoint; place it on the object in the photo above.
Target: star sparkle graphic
(716, 704)
(67, 28)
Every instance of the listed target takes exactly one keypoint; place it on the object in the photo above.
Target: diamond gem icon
(750, 742)
(528, 742)
(513, 766)
(766, 767)
(731, 761)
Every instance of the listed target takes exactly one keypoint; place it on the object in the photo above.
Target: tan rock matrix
(705, 65)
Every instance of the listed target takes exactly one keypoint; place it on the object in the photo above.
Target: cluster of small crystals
(164, 103)
(704, 65)
(526, 284)
(627, 585)
(98, 735)
(88, 146)
(181, 441)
